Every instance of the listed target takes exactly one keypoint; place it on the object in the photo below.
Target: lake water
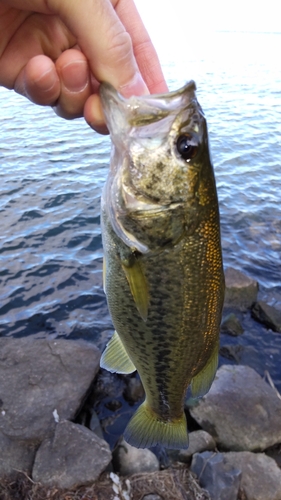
(52, 172)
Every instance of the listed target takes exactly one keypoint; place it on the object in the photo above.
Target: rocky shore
(61, 419)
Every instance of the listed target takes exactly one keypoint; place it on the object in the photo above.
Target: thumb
(104, 40)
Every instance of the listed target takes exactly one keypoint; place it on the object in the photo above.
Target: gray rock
(232, 352)
(15, 456)
(198, 441)
(95, 425)
(220, 478)
(241, 290)
(134, 390)
(231, 325)
(275, 453)
(261, 477)
(267, 315)
(129, 460)
(243, 355)
(241, 411)
(201, 441)
(40, 381)
(74, 456)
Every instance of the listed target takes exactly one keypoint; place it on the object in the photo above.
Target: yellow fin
(104, 274)
(145, 429)
(115, 358)
(202, 382)
(138, 285)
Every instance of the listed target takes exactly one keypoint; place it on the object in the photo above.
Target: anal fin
(202, 382)
(115, 358)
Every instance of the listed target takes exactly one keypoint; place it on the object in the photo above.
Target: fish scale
(163, 265)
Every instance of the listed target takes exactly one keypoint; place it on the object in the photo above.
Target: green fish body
(163, 274)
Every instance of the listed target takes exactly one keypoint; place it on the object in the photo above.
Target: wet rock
(113, 405)
(261, 477)
(243, 355)
(134, 391)
(220, 478)
(74, 456)
(198, 441)
(42, 381)
(107, 385)
(267, 315)
(240, 291)
(95, 425)
(15, 455)
(275, 453)
(129, 460)
(241, 411)
(231, 325)
(232, 352)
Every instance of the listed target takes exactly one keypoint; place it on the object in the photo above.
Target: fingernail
(75, 76)
(136, 86)
(47, 80)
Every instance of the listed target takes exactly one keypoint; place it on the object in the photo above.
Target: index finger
(144, 51)
(115, 41)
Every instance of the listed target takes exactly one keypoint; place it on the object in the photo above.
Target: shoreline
(105, 402)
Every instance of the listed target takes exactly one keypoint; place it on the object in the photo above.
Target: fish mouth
(107, 91)
(121, 112)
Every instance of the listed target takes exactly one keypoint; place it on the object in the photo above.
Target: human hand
(56, 53)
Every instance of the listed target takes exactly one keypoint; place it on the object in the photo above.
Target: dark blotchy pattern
(157, 198)
(185, 285)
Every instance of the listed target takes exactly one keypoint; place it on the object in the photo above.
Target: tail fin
(145, 430)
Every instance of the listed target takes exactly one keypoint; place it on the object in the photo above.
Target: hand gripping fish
(163, 274)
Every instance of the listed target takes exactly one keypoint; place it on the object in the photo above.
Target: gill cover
(142, 128)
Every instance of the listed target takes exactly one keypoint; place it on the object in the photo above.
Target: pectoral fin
(138, 285)
(202, 382)
(115, 358)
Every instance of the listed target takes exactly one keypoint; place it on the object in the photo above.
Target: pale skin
(56, 53)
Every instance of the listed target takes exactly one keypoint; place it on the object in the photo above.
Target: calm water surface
(52, 172)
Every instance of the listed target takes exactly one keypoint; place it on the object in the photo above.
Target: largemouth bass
(163, 274)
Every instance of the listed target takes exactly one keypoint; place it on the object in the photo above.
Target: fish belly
(180, 334)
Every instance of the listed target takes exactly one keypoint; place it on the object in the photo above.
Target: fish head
(159, 152)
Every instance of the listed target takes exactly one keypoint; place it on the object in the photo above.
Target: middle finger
(73, 71)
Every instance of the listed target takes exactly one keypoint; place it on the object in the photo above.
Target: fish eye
(186, 147)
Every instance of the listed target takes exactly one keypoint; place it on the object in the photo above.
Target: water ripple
(52, 172)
